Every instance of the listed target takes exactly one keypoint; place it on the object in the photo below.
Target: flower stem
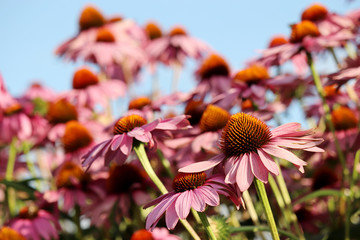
(260, 229)
(144, 160)
(165, 163)
(9, 176)
(207, 226)
(260, 188)
(287, 201)
(77, 215)
(251, 210)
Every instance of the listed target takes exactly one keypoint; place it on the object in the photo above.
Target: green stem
(260, 229)
(287, 200)
(206, 225)
(165, 163)
(280, 201)
(251, 210)
(139, 149)
(260, 188)
(77, 215)
(355, 172)
(9, 176)
(333, 54)
(329, 123)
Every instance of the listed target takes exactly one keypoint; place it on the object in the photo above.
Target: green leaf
(319, 193)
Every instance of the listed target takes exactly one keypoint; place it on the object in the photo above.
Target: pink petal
(204, 165)
(268, 162)
(285, 154)
(231, 174)
(210, 196)
(197, 202)
(126, 145)
(171, 218)
(258, 168)
(285, 129)
(154, 216)
(183, 204)
(244, 176)
(116, 141)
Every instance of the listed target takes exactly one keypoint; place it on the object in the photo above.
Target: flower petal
(244, 176)
(258, 168)
(204, 165)
(268, 162)
(183, 204)
(171, 218)
(154, 216)
(198, 203)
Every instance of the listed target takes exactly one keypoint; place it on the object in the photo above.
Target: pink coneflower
(213, 75)
(73, 187)
(35, 224)
(173, 48)
(123, 188)
(37, 90)
(155, 234)
(247, 143)
(191, 190)
(88, 90)
(14, 123)
(127, 130)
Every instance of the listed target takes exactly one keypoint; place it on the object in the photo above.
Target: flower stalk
(139, 149)
(206, 225)
(260, 189)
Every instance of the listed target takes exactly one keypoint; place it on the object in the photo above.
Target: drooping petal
(244, 176)
(268, 162)
(204, 165)
(115, 143)
(198, 203)
(171, 218)
(231, 174)
(210, 196)
(258, 168)
(183, 204)
(285, 129)
(285, 154)
(154, 216)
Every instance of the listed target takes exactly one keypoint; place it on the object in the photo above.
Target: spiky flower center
(142, 234)
(177, 31)
(28, 212)
(7, 233)
(91, 17)
(12, 109)
(252, 74)
(61, 111)
(214, 118)
(122, 178)
(70, 172)
(277, 41)
(315, 12)
(128, 123)
(104, 35)
(344, 118)
(214, 65)
(303, 29)
(188, 181)
(153, 30)
(242, 134)
(195, 109)
(139, 103)
(331, 90)
(76, 136)
(84, 78)
(114, 19)
(247, 104)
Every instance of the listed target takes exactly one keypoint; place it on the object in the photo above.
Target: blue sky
(31, 30)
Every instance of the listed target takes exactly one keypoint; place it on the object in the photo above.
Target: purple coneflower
(247, 143)
(191, 190)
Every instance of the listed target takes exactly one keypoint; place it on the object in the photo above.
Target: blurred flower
(126, 130)
(152, 30)
(7, 233)
(191, 190)
(88, 90)
(35, 224)
(155, 234)
(247, 144)
(37, 90)
(173, 48)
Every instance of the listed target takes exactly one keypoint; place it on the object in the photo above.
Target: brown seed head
(76, 136)
(252, 74)
(142, 234)
(344, 118)
(28, 212)
(195, 109)
(177, 31)
(61, 111)
(104, 35)
(331, 90)
(12, 109)
(315, 12)
(128, 123)
(139, 103)
(303, 29)
(69, 172)
(277, 41)
(214, 65)
(90, 17)
(84, 78)
(214, 118)
(121, 178)
(153, 30)
(242, 134)
(188, 181)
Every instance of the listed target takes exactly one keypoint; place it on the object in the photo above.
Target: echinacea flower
(191, 190)
(35, 224)
(128, 129)
(247, 143)
(88, 90)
